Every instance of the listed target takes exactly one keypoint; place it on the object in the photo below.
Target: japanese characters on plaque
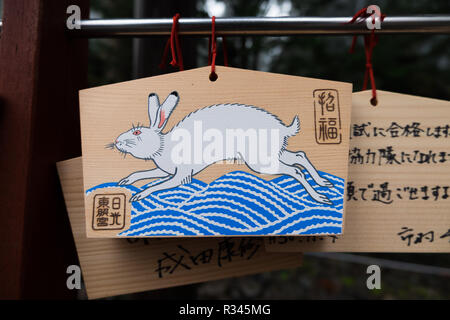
(408, 236)
(397, 156)
(109, 212)
(182, 257)
(327, 116)
(390, 155)
(397, 193)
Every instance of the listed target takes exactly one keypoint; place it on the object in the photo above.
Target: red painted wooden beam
(41, 71)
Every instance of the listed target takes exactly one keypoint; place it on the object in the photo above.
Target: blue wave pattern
(237, 203)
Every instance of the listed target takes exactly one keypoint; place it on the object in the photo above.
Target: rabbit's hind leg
(297, 174)
(300, 158)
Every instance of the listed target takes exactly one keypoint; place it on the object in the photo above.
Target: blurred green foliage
(414, 64)
(110, 60)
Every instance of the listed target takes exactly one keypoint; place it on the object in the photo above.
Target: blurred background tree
(412, 64)
(401, 63)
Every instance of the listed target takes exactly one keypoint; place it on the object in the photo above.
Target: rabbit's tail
(294, 128)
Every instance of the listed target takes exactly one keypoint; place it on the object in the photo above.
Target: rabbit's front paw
(141, 195)
(126, 181)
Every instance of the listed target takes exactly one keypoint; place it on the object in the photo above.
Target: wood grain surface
(119, 266)
(413, 212)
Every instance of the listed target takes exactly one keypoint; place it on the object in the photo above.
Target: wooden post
(42, 70)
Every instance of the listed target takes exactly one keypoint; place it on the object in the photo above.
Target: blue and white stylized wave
(237, 203)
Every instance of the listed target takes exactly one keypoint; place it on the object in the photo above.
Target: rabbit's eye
(137, 132)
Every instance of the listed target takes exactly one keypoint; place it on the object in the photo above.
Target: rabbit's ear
(166, 109)
(153, 107)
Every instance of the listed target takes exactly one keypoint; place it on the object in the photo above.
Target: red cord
(209, 51)
(225, 54)
(212, 53)
(174, 43)
(369, 44)
(212, 47)
(162, 64)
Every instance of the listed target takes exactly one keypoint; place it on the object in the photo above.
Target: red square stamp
(109, 212)
(327, 116)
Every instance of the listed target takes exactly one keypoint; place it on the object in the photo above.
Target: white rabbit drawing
(149, 143)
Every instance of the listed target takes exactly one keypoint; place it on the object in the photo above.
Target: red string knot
(175, 47)
(369, 43)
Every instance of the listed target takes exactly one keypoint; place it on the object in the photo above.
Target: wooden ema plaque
(252, 153)
(399, 179)
(118, 266)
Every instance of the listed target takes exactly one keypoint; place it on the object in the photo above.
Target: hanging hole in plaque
(374, 102)
(213, 76)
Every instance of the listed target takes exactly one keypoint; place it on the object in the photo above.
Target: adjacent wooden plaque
(252, 153)
(118, 266)
(399, 179)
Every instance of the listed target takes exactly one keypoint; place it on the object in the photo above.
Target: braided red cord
(369, 44)
(174, 43)
(212, 46)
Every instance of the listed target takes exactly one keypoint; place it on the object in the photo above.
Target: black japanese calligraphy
(109, 212)
(327, 116)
